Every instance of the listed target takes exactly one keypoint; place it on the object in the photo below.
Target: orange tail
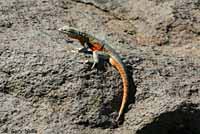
(124, 77)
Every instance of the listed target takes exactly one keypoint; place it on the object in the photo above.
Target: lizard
(100, 47)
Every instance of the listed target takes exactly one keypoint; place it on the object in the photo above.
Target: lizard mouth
(63, 30)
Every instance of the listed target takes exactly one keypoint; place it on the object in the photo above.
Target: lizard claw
(87, 62)
(93, 65)
(82, 61)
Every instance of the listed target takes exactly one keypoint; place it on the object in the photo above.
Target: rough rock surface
(44, 88)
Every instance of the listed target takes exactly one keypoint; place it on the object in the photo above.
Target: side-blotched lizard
(99, 47)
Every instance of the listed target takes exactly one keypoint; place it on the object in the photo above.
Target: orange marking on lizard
(96, 47)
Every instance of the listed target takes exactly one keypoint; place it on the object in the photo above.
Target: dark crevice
(101, 9)
(184, 120)
(92, 4)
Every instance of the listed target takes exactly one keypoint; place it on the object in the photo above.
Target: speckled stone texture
(45, 87)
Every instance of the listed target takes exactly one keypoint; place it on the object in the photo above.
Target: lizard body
(96, 45)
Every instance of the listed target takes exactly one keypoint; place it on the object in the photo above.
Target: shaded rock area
(46, 88)
(183, 120)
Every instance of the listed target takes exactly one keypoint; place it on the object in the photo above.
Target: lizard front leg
(95, 58)
(85, 51)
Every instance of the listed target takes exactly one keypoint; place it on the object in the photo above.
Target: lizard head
(69, 31)
(75, 34)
